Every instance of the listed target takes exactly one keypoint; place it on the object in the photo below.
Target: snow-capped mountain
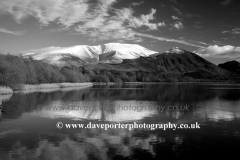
(107, 53)
(176, 50)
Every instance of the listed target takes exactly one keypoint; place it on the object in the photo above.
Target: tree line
(15, 71)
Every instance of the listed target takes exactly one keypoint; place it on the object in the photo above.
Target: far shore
(43, 87)
(59, 86)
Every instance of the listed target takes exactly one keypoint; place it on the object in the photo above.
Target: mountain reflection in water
(28, 123)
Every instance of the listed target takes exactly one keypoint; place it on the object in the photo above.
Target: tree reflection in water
(27, 131)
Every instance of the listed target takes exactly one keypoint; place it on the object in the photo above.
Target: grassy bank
(40, 87)
(5, 90)
(54, 86)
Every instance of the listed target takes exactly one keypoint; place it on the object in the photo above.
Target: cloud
(187, 15)
(97, 21)
(119, 25)
(137, 3)
(144, 20)
(234, 31)
(203, 43)
(175, 18)
(226, 2)
(170, 40)
(94, 19)
(176, 10)
(107, 3)
(220, 51)
(178, 25)
(19, 33)
(178, 22)
(214, 42)
(64, 12)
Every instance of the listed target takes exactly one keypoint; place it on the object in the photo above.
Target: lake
(28, 122)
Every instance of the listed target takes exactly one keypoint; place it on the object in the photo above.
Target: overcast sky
(209, 27)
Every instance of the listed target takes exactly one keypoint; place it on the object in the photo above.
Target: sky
(210, 28)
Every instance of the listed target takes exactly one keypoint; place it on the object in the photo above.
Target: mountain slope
(177, 62)
(127, 51)
(107, 53)
(232, 66)
(140, 63)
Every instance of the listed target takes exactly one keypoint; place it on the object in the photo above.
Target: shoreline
(112, 83)
(58, 86)
(5, 90)
(43, 87)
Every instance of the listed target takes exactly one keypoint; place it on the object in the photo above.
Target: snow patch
(176, 50)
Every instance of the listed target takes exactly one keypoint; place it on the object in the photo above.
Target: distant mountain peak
(176, 50)
(110, 53)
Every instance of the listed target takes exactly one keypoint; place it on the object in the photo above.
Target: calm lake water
(28, 123)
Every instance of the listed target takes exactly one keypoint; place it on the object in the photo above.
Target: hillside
(177, 62)
(232, 66)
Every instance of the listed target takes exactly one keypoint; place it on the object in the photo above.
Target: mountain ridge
(137, 62)
(90, 54)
